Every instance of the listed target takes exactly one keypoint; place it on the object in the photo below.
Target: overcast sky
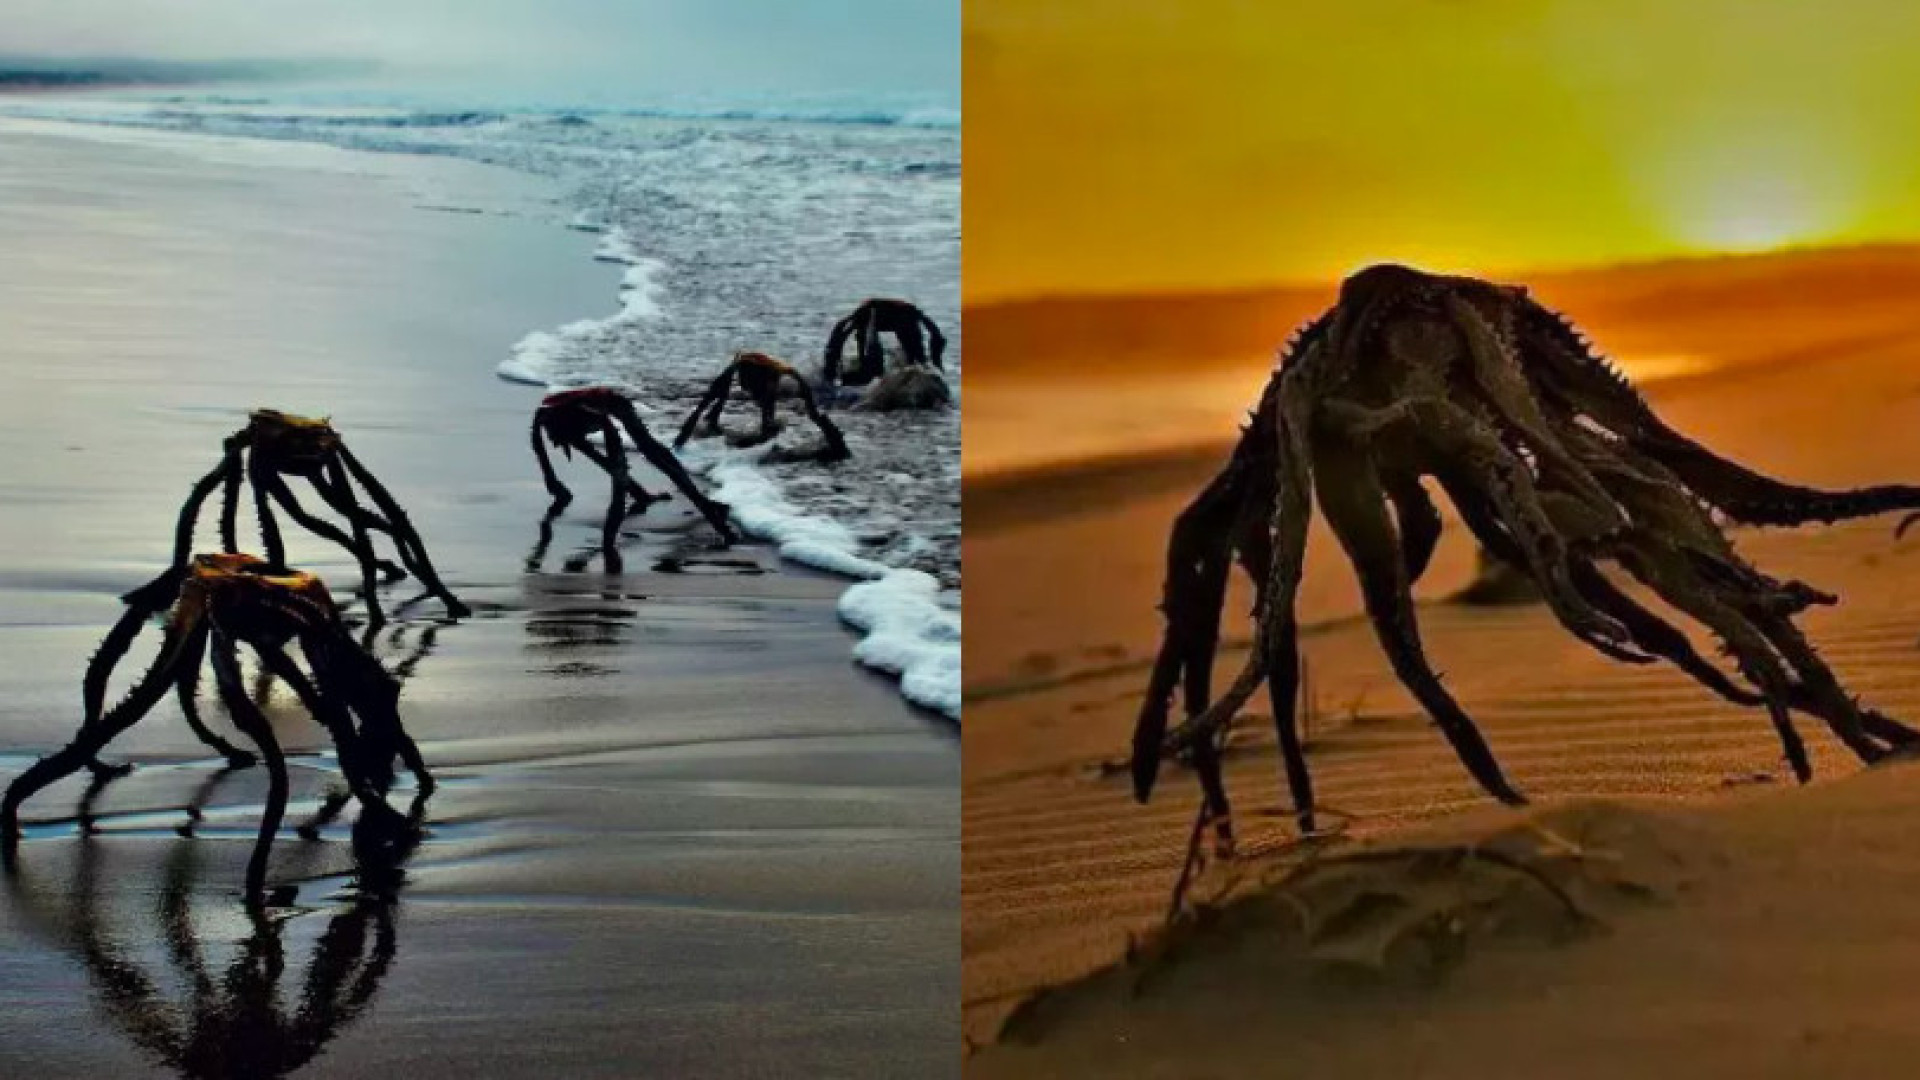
(565, 48)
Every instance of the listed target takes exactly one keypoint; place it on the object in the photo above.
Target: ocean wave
(727, 236)
(925, 117)
(908, 625)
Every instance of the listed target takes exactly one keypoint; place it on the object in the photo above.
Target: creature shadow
(253, 1016)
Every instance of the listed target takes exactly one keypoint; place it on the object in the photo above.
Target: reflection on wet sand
(251, 1017)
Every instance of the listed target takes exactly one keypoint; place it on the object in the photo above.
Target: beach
(1779, 958)
(677, 831)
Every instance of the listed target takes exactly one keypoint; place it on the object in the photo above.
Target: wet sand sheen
(677, 830)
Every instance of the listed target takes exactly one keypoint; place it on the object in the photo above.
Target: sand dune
(1816, 384)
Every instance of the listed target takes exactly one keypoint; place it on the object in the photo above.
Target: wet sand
(1060, 867)
(677, 831)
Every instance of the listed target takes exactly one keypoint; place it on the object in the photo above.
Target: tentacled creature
(569, 418)
(213, 606)
(276, 445)
(865, 325)
(1555, 463)
(760, 375)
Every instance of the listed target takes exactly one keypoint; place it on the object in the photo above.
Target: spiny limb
(662, 459)
(253, 724)
(358, 546)
(836, 445)
(275, 547)
(713, 402)
(1198, 552)
(187, 689)
(936, 339)
(366, 776)
(639, 496)
(93, 736)
(1817, 687)
(836, 344)
(230, 495)
(616, 504)
(405, 534)
(197, 498)
(1498, 373)
(1292, 514)
(561, 496)
(1351, 498)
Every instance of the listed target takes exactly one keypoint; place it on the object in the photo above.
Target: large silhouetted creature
(760, 375)
(868, 321)
(1555, 463)
(213, 605)
(570, 418)
(276, 445)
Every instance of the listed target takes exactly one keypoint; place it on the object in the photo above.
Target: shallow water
(677, 833)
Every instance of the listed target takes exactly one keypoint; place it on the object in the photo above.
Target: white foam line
(907, 630)
(540, 358)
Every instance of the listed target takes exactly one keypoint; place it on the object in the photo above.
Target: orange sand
(1794, 955)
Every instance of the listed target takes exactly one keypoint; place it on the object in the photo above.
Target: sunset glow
(1131, 145)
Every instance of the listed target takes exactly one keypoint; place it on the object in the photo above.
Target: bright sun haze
(1136, 145)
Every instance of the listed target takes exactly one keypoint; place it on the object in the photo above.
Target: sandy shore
(1060, 867)
(678, 831)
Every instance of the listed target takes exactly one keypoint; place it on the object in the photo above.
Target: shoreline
(669, 805)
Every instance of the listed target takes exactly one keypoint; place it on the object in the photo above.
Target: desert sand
(1765, 928)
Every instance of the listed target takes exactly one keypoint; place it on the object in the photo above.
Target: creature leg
(1275, 651)
(1510, 488)
(253, 723)
(1195, 590)
(1748, 648)
(95, 733)
(1498, 374)
(836, 446)
(556, 489)
(230, 504)
(406, 534)
(912, 343)
(662, 459)
(276, 549)
(187, 686)
(1352, 498)
(1819, 693)
(359, 545)
(1418, 520)
(196, 498)
(712, 403)
(639, 497)
(616, 504)
(366, 777)
(872, 361)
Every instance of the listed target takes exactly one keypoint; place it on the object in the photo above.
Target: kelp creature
(865, 325)
(1555, 463)
(570, 418)
(213, 606)
(761, 376)
(275, 446)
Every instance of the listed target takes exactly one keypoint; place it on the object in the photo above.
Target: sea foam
(909, 626)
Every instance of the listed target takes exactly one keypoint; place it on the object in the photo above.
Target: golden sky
(1150, 145)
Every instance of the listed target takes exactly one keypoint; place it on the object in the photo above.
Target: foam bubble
(909, 628)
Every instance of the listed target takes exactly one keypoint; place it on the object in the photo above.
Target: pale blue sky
(580, 49)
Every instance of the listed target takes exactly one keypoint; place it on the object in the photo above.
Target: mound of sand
(1378, 917)
(1763, 936)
